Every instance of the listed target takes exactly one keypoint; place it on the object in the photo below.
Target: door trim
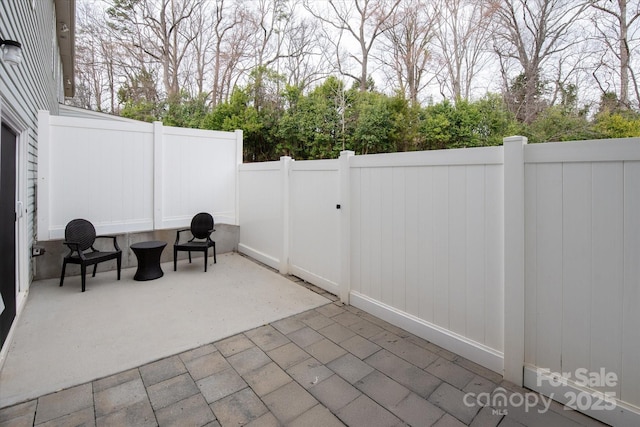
(11, 118)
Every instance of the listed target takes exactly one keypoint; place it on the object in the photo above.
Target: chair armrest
(115, 242)
(178, 234)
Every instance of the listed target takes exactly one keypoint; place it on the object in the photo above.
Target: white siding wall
(34, 84)
(582, 260)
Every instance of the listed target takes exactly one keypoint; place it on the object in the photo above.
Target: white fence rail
(127, 177)
(524, 259)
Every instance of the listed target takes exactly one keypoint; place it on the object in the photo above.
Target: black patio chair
(201, 229)
(79, 236)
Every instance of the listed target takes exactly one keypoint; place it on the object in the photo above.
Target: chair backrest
(201, 225)
(82, 232)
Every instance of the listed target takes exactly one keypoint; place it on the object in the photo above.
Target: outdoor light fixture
(11, 51)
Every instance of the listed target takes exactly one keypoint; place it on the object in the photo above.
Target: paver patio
(329, 366)
(263, 378)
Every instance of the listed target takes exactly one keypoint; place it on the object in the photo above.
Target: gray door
(7, 230)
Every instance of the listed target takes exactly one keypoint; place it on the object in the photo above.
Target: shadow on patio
(237, 345)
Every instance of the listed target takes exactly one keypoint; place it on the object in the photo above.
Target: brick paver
(334, 365)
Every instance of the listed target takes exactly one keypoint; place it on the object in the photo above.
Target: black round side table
(148, 254)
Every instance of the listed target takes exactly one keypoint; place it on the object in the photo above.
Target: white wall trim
(23, 241)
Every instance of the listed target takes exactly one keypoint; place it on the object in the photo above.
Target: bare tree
(159, 29)
(271, 20)
(406, 49)
(616, 23)
(364, 21)
(227, 16)
(462, 35)
(530, 33)
(90, 76)
(100, 61)
(303, 65)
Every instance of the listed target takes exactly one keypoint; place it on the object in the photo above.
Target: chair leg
(175, 259)
(206, 254)
(189, 257)
(64, 267)
(119, 262)
(83, 271)
(215, 261)
(95, 267)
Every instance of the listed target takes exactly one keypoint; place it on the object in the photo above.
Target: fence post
(345, 225)
(514, 261)
(285, 167)
(158, 160)
(239, 161)
(42, 183)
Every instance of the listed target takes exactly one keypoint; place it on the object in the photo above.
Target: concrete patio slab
(65, 337)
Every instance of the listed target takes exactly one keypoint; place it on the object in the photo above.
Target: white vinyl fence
(524, 259)
(289, 218)
(132, 176)
(427, 245)
(582, 234)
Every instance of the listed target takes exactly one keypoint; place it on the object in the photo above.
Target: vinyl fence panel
(314, 253)
(582, 276)
(127, 176)
(262, 230)
(426, 244)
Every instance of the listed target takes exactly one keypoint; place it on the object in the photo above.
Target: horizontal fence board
(74, 123)
(315, 165)
(263, 166)
(454, 157)
(584, 151)
(213, 136)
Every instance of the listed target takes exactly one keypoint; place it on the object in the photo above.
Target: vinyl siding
(35, 84)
